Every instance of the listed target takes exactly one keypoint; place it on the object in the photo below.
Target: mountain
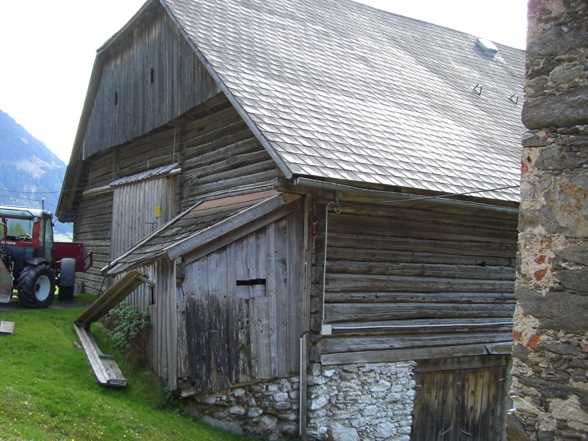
(29, 171)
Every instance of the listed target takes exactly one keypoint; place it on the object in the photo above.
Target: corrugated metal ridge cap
(148, 174)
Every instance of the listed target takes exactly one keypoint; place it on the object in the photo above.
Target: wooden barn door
(139, 209)
(460, 399)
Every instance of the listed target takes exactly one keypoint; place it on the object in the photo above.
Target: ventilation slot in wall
(248, 289)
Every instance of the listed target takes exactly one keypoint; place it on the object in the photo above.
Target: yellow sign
(157, 211)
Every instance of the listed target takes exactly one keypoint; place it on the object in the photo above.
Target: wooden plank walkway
(104, 366)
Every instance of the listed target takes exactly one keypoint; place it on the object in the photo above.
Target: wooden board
(104, 366)
(6, 328)
(112, 297)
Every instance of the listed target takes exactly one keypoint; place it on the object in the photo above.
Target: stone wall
(269, 408)
(361, 402)
(345, 403)
(550, 354)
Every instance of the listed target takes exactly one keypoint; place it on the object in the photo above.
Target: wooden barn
(325, 196)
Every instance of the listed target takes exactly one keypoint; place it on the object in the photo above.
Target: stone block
(574, 280)
(340, 432)
(564, 110)
(515, 430)
(555, 310)
(554, 41)
(577, 253)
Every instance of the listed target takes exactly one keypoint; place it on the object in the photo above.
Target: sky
(47, 50)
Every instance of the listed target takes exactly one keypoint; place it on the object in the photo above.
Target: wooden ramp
(104, 366)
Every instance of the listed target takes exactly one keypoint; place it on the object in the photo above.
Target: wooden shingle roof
(339, 90)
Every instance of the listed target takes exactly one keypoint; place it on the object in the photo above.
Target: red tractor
(32, 263)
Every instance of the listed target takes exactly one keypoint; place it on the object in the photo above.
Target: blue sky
(47, 50)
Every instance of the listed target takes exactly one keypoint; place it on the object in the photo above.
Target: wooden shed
(328, 211)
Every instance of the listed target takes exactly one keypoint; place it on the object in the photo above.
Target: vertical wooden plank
(274, 299)
(295, 283)
(239, 354)
(260, 319)
(202, 327)
(252, 256)
(285, 348)
(167, 277)
(218, 305)
(182, 350)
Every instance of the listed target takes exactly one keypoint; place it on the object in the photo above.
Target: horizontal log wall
(216, 153)
(230, 339)
(92, 227)
(413, 280)
(151, 77)
(219, 154)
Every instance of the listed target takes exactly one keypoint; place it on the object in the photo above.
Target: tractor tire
(65, 293)
(36, 286)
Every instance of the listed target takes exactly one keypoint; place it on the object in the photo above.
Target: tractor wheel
(36, 286)
(65, 293)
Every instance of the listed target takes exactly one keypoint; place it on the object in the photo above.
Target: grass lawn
(48, 391)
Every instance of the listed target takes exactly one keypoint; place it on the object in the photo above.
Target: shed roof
(339, 90)
(189, 224)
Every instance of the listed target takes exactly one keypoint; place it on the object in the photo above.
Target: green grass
(48, 392)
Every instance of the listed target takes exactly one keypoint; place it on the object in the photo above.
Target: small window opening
(251, 282)
(116, 98)
(151, 75)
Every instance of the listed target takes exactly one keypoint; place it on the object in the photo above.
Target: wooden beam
(191, 244)
(104, 367)
(388, 356)
(6, 328)
(112, 297)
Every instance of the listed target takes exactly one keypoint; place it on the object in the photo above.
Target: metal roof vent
(488, 47)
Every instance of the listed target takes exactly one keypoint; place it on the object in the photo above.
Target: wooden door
(460, 399)
(139, 209)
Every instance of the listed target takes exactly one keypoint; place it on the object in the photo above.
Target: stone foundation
(269, 408)
(361, 402)
(345, 403)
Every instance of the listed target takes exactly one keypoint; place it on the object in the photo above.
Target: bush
(128, 329)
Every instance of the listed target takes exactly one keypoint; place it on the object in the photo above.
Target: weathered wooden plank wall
(414, 280)
(139, 209)
(231, 339)
(150, 78)
(159, 301)
(92, 227)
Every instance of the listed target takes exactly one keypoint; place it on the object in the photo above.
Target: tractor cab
(26, 233)
(32, 263)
